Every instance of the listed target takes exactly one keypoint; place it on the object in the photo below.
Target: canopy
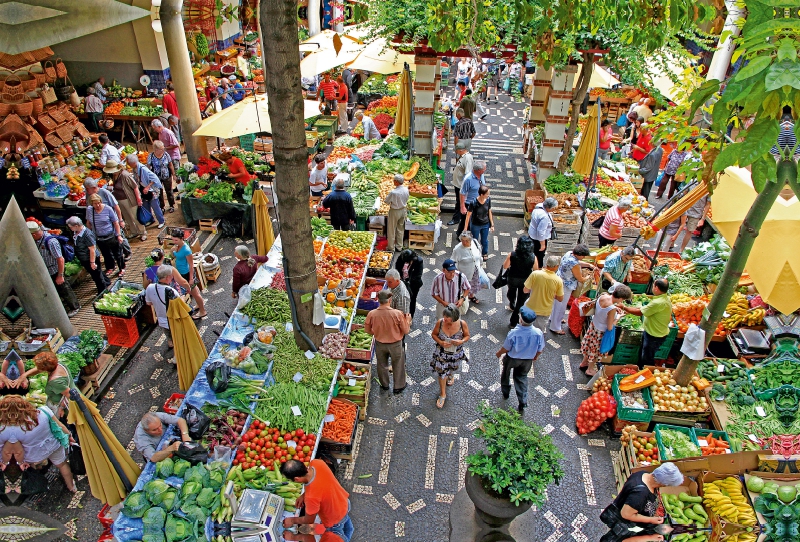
(264, 234)
(587, 150)
(774, 262)
(378, 57)
(402, 123)
(325, 57)
(601, 78)
(104, 482)
(250, 116)
(190, 352)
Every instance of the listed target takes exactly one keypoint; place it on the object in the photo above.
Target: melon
(770, 487)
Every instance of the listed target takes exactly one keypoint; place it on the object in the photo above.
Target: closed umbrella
(587, 150)
(103, 455)
(264, 234)
(402, 122)
(190, 352)
(250, 116)
(774, 262)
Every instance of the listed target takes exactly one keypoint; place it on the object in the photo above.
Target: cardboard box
(689, 486)
(790, 479)
(711, 476)
(779, 464)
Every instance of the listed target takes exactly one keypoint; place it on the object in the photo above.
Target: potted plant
(515, 470)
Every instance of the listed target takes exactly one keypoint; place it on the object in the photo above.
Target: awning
(378, 57)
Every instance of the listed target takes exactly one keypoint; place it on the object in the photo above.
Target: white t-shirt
(38, 443)
(318, 179)
(156, 295)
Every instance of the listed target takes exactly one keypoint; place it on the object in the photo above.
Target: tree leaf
(783, 74)
(754, 67)
(772, 104)
(702, 94)
(337, 43)
(786, 50)
(761, 136)
(764, 170)
(727, 157)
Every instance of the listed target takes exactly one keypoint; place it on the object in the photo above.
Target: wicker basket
(57, 114)
(65, 132)
(6, 109)
(38, 104)
(46, 122)
(28, 80)
(24, 108)
(52, 140)
(80, 129)
(12, 89)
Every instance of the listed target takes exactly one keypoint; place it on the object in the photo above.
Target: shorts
(58, 456)
(691, 225)
(191, 283)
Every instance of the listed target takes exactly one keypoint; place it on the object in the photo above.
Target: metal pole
(593, 175)
(75, 396)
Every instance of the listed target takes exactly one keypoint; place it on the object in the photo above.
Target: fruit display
(778, 504)
(380, 260)
(645, 448)
(265, 447)
(739, 313)
(725, 498)
(640, 264)
(114, 108)
(418, 188)
(633, 221)
(684, 509)
(387, 104)
(668, 396)
(601, 384)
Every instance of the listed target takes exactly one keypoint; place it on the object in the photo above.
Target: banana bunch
(739, 313)
(725, 499)
(647, 232)
(741, 537)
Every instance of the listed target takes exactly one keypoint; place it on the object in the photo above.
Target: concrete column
(722, 56)
(182, 77)
(541, 88)
(314, 23)
(425, 90)
(22, 268)
(556, 120)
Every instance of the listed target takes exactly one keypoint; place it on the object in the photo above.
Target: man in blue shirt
(238, 96)
(522, 346)
(469, 190)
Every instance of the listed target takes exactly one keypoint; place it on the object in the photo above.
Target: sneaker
(162, 225)
(521, 409)
(72, 313)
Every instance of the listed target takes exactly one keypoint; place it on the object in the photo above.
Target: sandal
(475, 300)
(121, 274)
(199, 316)
(440, 401)
(450, 381)
(558, 332)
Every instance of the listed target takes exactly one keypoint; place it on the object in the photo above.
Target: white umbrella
(325, 57)
(601, 78)
(378, 57)
(250, 116)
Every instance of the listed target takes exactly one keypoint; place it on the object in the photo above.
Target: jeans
(520, 369)
(101, 281)
(457, 214)
(167, 192)
(650, 345)
(67, 295)
(154, 207)
(345, 527)
(481, 233)
(516, 298)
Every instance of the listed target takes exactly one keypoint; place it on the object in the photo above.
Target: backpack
(67, 250)
(492, 68)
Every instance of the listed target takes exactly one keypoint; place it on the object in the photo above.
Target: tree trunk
(748, 231)
(580, 93)
(282, 77)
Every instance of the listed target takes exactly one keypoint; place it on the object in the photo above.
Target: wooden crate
(200, 274)
(209, 224)
(213, 274)
(51, 345)
(362, 402)
(420, 240)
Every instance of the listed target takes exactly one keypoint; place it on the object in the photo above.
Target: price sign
(298, 376)
(291, 444)
(373, 295)
(753, 438)
(702, 443)
(639, 380)
(296, 411)
(289, 327)
(720, 368)
(309, 354)
(329, 418)
(351, 382)
(348, 270)
(760, 411)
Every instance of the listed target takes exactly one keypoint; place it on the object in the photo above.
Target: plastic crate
(626, 353)
(631, 337)
(172, 399)
(701, 434)
(121, 331)
(628, 413)
(105, 518)
(355, 354)
(136, 303)
(246, 141)
(662, 453)
(638, 288)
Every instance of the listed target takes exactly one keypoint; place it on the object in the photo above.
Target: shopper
(656, 315)
(611, 230)
(522, 347)
(245, 269)
(150, 186)
(643, 144)
(633, 511)
(674, 161)
(150, 430)
(174, 125)
(169, 102)
(573, 272)
(108, 151)
(463, 71)
(388, 326)
(87, 252)
(50, 250)
(59, 381)
(541, 229)
(450, 333)
(467, 256)
(643, 110)
(323, 497)
(340, 203)
(371, 131)
(42, 435)
(494, 80)
(519, 264)
(94, 109)
(467, 104)
(103, 221)
(480, 219)
(450, 287)
(617, 267)
(462, 168)
(170, 145)
(469, 191)
(184, 263)
(410, 266)
(150, 275)
(91, 188)
(238, 90)
(158, 295)
(225, 98)
(604, 320)
(397, 200)
(648, 168)
(695, 219)
(545, 287)
(126, 192)
(401, 298)
(328, 92)
(342, 98)
(318, 176)
(464, 130)
(99, 88)
(606, 137)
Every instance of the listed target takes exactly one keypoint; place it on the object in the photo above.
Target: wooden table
(137, 126)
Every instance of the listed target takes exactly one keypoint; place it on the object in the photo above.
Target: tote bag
(144, 216)
(608, 340)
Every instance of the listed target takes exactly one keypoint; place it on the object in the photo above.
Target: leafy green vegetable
(135, 504)
(678, 445)
(72, 268)
(73, 361)
(90, 346)
(179, 467)
(170, 500)
(155, 490)
(178, 528)
(563, 183)
(164, 468)
(193, 512)
(221, 192)
(206, 497)
(153, 520)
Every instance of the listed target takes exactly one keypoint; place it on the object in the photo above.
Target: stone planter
(495, 510)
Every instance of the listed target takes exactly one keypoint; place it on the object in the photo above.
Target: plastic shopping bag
(694, 343)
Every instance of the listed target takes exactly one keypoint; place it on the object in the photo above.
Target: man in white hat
(126, 191)
(50, 249)
(238, 96)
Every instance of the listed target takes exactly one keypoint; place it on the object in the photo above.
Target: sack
(217, 374)
(462, 310)
(61, 69)
(501, 280)
(694, 343)
(506, 83)
(76, 463)
(67, 250)
(74, 99)
(193, 452)
(196, 421)
(609, 337)
(144, 216)
(126, 246)
(598, 222)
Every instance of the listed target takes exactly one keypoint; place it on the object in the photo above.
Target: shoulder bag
(501, 280)
(55, 428)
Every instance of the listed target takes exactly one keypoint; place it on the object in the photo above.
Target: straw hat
(112, 166)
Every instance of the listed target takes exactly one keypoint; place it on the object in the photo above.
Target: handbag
(501, 280)
(609, 337)
(196, 421)
(76, 462)
(441, 190)
(598, 222)
(143, 215)
(50, 71)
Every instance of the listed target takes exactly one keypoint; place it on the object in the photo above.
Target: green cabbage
(194, 512)
(216, 479)
(190, 490)
(198, 474)
(155, 490)
(135, 504)
(179, 529)
(164, 468)
(154, 520)
(155, 537)
(179, 467)
(206, 497)
(170, 500)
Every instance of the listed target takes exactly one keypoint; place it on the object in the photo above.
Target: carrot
(341, 428)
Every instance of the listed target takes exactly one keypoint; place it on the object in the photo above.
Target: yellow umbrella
(402, 122)
(190, 352)
(250, 116)
(584, 158)
(264, 234)
(378, 57)
(104, 482)
(774, 262)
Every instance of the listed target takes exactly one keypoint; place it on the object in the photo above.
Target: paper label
(373, 295)
(720, 368)
(289, 327)
(298, 376)
(725, 314)
(752, 376)
(349, 372)
(351, 382)
(640, 379)
(291, 444)
(329, 418)
(702, 443)
(296, 411)
(760, 411)
(673, 387)
(309, 354)
(348, 270)
(348, 240)
(753, 438)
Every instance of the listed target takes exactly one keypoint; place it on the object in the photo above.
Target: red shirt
(645, 142)
(329, 90)
(238, 172)
(170, 104)
(342, 97)
(605, 137)
(243, 273)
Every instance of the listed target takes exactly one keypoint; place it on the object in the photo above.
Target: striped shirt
(448, 289)
(401, 299)
(786, 139)
(329, 90)
(464, 129)
(51, 252)
(615, 267)
(613, 218)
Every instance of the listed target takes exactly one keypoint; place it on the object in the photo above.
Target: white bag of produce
(244, 297)
(319, 309)
(694, 343)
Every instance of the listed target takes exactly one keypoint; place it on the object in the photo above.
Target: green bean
(276, 406)
(289, 360)
(268, 306)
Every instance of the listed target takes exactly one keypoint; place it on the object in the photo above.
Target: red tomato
(283, 460)
(287, 436)
(300, 432)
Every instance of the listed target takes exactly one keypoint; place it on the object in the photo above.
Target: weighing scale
(258, 516)
(749, 342)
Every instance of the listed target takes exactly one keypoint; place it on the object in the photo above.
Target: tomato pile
(268, 447)
(354, 371)
(594, 411)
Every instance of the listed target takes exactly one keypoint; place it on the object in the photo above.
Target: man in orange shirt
(323, 496)
(388, 326)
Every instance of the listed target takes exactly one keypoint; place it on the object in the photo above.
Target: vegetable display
(117, 302)
(562, 183)
(220, 192)
(684, 509)
(360, 340)
(593, 411)
(280, 403)
(668, 396)
(340, 429)
(268, 306)
(320, 227)
(316, 372)
(677, 445)
(90, 345)
(725, 499)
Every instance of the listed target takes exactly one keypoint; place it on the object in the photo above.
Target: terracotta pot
(494, 509)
